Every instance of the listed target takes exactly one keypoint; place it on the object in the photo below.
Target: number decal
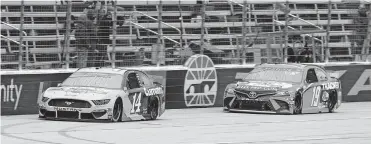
(316, 94)
(136, 103)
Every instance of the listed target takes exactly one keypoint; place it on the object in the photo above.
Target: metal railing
(221, 35)
(141, 13)
(24, 33)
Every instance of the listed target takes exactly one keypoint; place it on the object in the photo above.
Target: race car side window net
(311, 76)
(133, 81)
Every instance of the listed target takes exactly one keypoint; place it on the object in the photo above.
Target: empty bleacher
(45, 22)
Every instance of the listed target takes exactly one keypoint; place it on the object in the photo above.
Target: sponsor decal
(256, 87)
(331, 85)
(66, 109)
(11, 93)
(153, 91)
(200, 85)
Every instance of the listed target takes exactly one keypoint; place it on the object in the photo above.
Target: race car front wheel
(332, 101)
(298, 104)
(117, 111)
(153, 109)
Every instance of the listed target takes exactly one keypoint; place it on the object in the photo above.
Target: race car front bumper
(94, 112)
(264, 104)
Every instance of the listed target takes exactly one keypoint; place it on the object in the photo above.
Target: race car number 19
(316, 94)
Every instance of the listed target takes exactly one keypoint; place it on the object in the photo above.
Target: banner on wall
(20, 93)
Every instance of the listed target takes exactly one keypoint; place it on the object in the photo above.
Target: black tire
(153, 109)
(117, 111)
(332, 101)
(298, 104)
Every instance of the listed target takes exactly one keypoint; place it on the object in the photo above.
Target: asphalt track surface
(350, 124)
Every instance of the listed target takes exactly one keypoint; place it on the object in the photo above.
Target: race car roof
(120, 71)
(288, 65)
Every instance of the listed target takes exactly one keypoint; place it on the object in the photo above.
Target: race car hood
(85, 93)
(264, 86)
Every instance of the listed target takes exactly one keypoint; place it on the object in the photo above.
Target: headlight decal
(101, 102)
(44, 99)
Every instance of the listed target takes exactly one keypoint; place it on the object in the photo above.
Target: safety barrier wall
(20, 91)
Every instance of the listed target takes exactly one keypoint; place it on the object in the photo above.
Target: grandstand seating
(222, 28)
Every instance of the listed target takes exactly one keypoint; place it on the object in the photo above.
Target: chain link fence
(74, 34)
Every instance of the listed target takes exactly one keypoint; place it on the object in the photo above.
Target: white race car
(104, 94)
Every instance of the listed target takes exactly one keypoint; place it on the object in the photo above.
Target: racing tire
(332, 102)
(117, 111)
(153, 109)
(298, 104)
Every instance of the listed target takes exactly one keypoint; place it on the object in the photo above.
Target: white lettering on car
(331, 85)
(66, 109)
(7, 93)
(153, 91)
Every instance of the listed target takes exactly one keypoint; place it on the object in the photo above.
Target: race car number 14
(136, 103)
(316, 95)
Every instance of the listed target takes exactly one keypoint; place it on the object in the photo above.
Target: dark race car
(284, 88)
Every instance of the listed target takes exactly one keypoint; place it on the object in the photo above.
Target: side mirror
(59, 85)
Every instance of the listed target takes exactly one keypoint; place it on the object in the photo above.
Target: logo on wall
(200, 85)
(11, 93)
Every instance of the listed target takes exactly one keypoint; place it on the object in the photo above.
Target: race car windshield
(97, 80)
(275, 74)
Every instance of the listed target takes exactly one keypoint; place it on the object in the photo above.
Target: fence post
(160, 34)
(244, 18)
(328, 29)
(314, 50)
(269, 48)
(67, 42)
(20, 53)
(114, 28)
(203, 17)
(286, 34)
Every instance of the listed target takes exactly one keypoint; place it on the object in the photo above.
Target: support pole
(366, 42)
(286, 34)
(160, 46)
(67, 41)
(20, 54)
(244, 19)
(114, 33)
(203, 17)
(314, 49)
(328, 29)
(269, 49)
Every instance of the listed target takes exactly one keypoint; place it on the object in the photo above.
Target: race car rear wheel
(153, 109)
(117, 111)
(332, 101)
(298, 104)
